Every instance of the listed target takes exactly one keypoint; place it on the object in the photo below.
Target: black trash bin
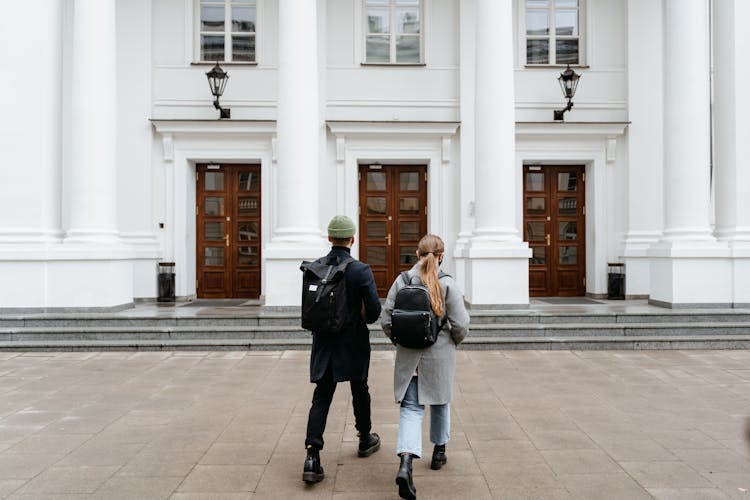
(616, 281)
(166, 282)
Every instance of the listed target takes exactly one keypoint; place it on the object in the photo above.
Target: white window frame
(583, 30)
(228, 33)
(391, 5)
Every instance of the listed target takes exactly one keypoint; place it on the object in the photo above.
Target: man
(343, 356)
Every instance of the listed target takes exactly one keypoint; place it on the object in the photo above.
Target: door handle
(389, 239)
(546, 237)
(226, 238)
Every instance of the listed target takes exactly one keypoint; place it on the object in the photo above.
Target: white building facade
(410, 116)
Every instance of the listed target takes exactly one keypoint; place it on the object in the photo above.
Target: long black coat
(348, 351)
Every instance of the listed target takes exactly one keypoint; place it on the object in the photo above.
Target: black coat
(348, 351)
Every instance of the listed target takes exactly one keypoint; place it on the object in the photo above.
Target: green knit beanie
(341, 227)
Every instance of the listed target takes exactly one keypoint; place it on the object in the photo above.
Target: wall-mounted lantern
(217, 80)
(568, 80)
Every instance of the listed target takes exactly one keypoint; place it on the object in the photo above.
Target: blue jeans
(410, 423)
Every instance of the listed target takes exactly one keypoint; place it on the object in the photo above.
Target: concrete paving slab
(530, 424)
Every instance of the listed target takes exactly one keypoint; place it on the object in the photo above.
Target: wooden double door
(228, 219)
(554, 220)
(393, 218)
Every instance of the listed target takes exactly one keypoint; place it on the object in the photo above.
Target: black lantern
(568, 80)
(217, 80)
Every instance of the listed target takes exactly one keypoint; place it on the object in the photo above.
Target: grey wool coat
(437, 363)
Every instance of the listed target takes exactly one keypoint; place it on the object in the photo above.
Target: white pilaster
(297, 234)
(731, 132)
(31, 128)
(645, 132)
(93, 212)
(689, 266)
(496, 252)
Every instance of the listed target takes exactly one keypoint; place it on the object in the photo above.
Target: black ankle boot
(406, 488)
(313, 472)
(438, 457)
(368, 444)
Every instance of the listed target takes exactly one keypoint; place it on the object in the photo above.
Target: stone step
(210, 332)
(472, 343)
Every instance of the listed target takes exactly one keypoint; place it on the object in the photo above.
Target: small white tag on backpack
(313, 288)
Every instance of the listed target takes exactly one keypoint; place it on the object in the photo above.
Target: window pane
(566, 23)
(408, 231)
(247, 207)
(568, 230)
(568, 256)
(214, 205)
(537, 51)
(248, 231)
(375, 181)
(407, 20)
(378, 20)
(247, 181)
(376, 206)
(567, 52)
(409, 181)
(212, 48)
(538, 255)
(212, 18)
(407, 49)
(378, 49)
(214, 230)
(535, 206)
(531, 4)
(537, 23)
(376, 230)
(214, 181)
(407, 255)
(248, 256)
(535, 231)
(407, 2)
(243, 19)
(243, 48)
(409, 205)
(376, 255)
(567, 181)
(567, 206)
(566, 3)
(213, 256)
(534, 181)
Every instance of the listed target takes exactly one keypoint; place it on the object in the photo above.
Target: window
(226, 30)
(393, 31)
(552, 32)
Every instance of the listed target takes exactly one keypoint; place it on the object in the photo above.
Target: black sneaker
(368, 444)
(312, 472)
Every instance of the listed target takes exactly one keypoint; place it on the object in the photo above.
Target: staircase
(523, 329)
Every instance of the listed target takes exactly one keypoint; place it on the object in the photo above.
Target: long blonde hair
(430, 250)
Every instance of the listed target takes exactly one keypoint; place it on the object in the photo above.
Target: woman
(425, 376)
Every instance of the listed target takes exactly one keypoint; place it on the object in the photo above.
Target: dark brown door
(393, 218)
(554, 220)
(228, 231)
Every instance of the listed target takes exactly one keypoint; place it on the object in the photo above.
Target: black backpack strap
(405, 277)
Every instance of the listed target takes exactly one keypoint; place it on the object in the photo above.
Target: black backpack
(414, 323)
(324, 306)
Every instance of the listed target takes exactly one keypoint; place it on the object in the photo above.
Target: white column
(498, 256)
(31, 128)
(690, 268)
(93, 214)
(731, 132)
(645, 139)
(297, 234)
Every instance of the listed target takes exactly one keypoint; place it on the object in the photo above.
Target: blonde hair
(429, 250)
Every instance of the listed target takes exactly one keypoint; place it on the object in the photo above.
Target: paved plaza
(230, 425)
